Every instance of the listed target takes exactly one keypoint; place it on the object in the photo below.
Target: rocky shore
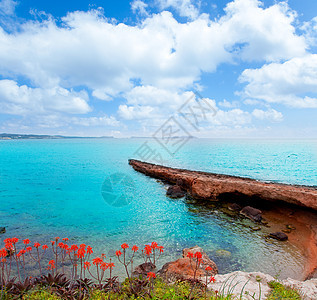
(205, 185)
(290, 210)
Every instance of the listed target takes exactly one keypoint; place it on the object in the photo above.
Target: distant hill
(13, 136)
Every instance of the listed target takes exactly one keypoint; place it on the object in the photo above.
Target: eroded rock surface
(175, 191)
(182, 268)
(210, 186)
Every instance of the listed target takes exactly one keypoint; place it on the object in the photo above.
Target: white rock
(256, 284)
(238, 283)
(307, 288)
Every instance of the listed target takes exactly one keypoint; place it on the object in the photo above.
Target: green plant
(279, 291)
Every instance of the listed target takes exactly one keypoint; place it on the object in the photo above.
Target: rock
(2, 229)
(286, 230)
(223, 253)
(307, 287)
(237, 281)
(209, 186)
(264, 222)
(143, 269)
(291, 227)
(175, 191)
(251, 213)
(255, 228)
(281, 236)
(181, 268)
(234, 207)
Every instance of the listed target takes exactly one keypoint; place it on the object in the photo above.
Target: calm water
(53, 187)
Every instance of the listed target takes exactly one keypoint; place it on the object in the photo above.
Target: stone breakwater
(205, 185)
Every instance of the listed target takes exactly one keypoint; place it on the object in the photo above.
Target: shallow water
(53, 187)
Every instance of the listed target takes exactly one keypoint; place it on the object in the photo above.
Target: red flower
(36, 245)
(65, 239)
(9, 246)
(118, 253)
(21, 252)
(82, 246)
(111, 265)
(154, 245)
(28, 249)
(96, 261)
(103, 266)
(135, 248)
(87, 265)
(148, 250)
(212, 279)
(208, 268)
(125, 246)
(14, 240)
(198, 255)
(89, 250)
(51, 265)
(151, 275)
(44, 247)
(161, 248)
(61, 245)
(3, 252)
(56, 239)
(7, 241)
(26, 241)
(73, 248)
(81, 253)
(190, 255)
(53, 242)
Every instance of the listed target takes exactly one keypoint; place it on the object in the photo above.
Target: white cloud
(165, 57)
(228, 104)
(140, 7)
(95, 121)
(23, 100)
(7, 7)
(185, 8)
(284, 82)
(135, 112)
(271, 115)
(90, 50)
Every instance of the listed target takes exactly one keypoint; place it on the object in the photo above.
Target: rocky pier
(205, 185)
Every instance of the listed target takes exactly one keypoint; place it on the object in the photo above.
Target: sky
(124, 68)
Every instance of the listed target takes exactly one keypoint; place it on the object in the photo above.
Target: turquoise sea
(53, 188)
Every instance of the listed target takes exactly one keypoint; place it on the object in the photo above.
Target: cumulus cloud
(139, 6)
(23, 100)
(7, 7)
(284, 82)
(87, 51)
(185, 8)
(271, 115)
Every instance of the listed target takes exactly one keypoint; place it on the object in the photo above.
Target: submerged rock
(223, 253)
(252, 213)
(175, 191)
(234, 207)
(182, 268)
(143, 269)
(291, 227)
(2, 229)
(281, 236)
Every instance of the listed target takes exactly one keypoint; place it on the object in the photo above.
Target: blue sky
(122, 68)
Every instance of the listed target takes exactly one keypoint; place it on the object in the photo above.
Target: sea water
(63, 187)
